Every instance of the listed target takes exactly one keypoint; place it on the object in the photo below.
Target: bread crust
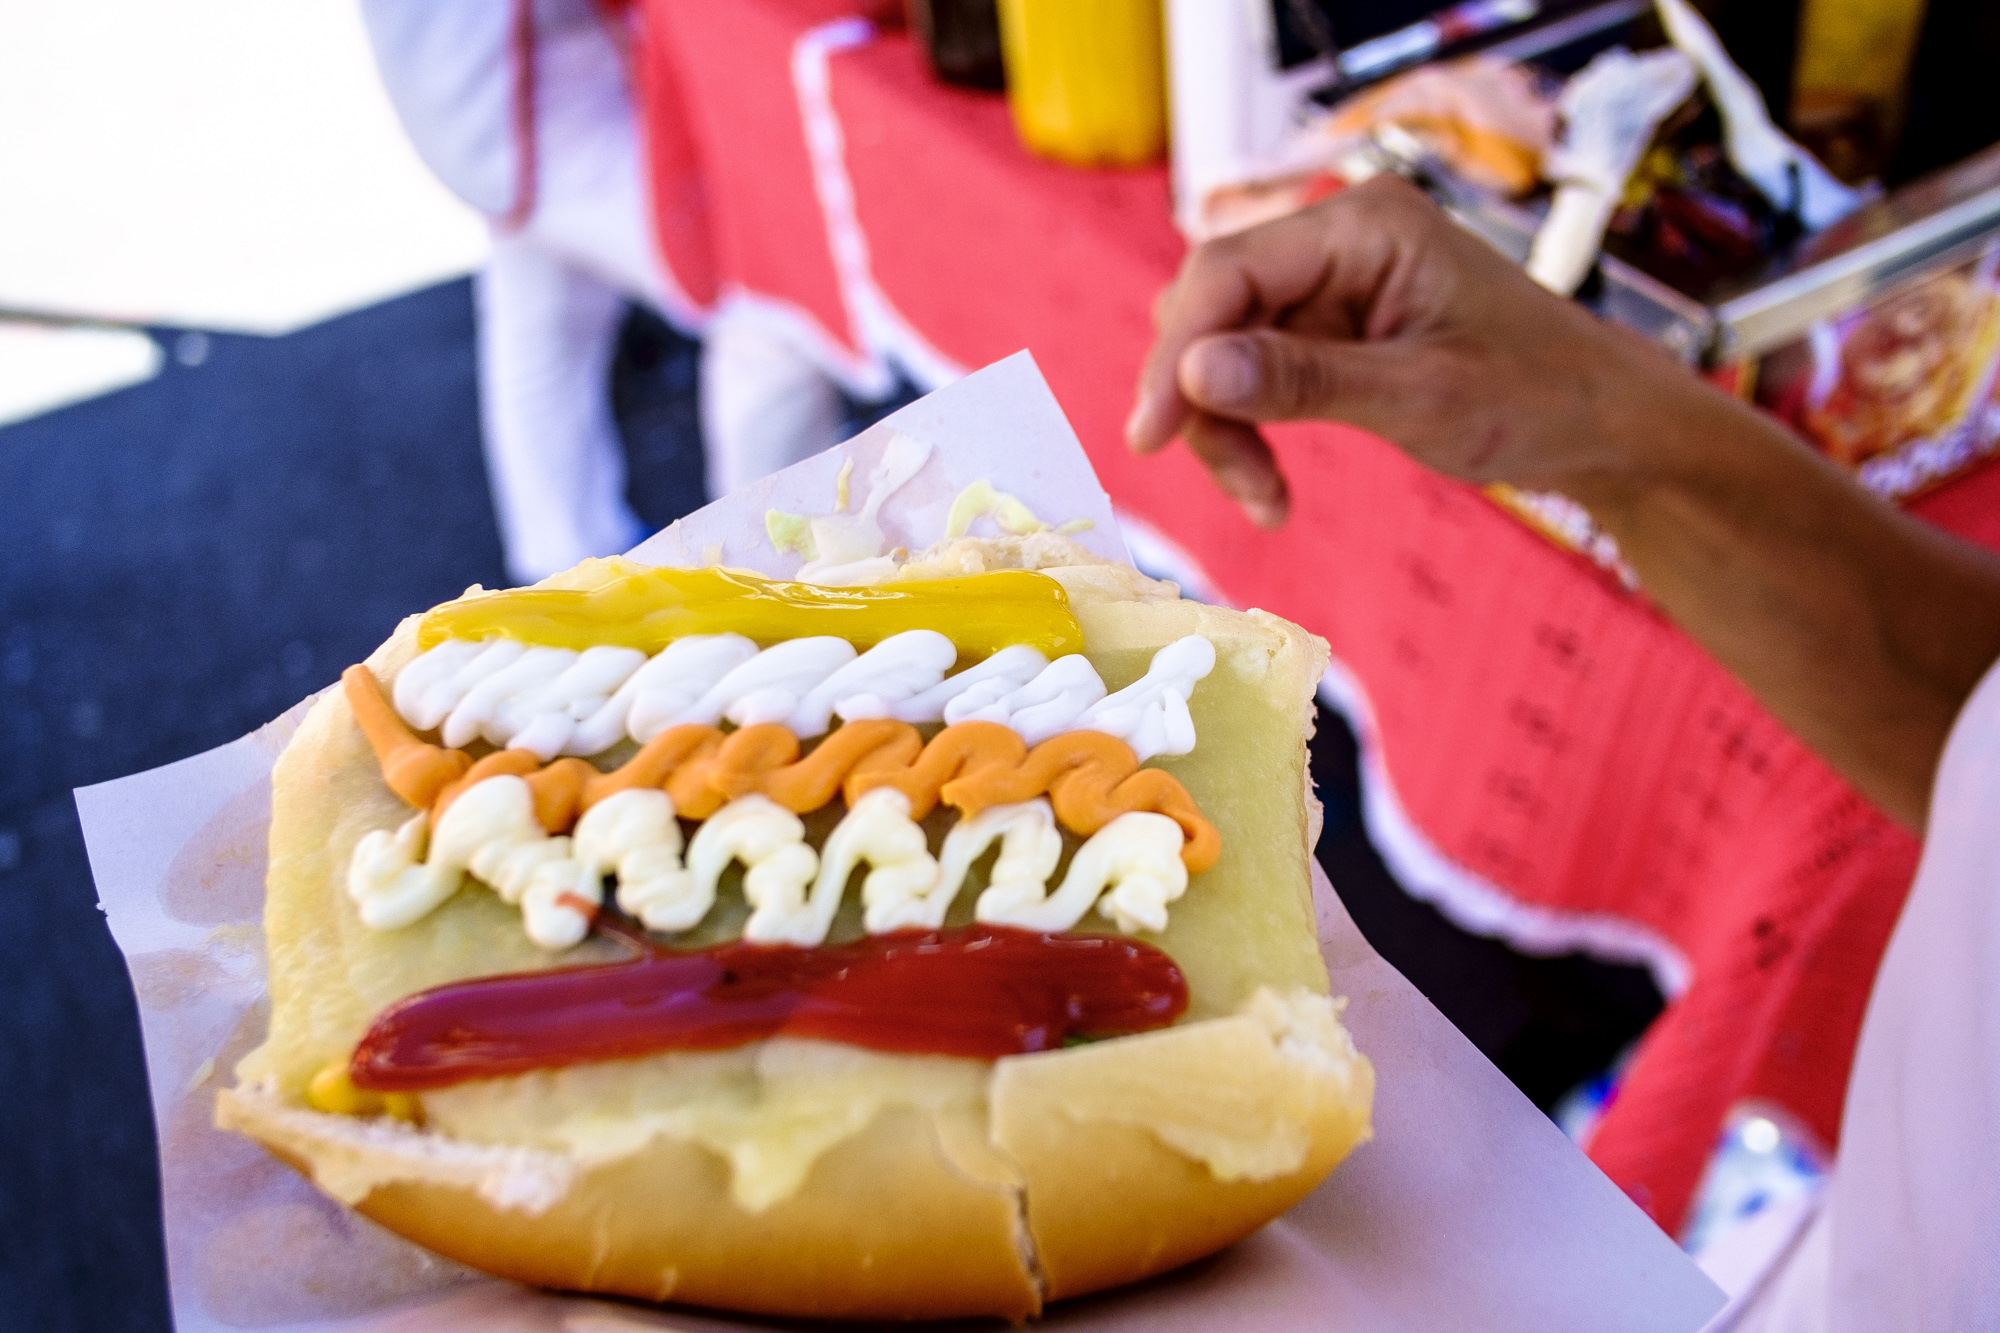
(886, 1227)
(1088, 1170)
(1111, 1198)
(1080, 1170)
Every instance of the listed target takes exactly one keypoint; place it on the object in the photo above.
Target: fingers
(1242, 465)
(1318, 270)
(1206, 297)
(1235, 282)
(1374, 309)
(1271, 375)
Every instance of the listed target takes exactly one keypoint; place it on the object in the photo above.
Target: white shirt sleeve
(1909, 1235)
(449, 69)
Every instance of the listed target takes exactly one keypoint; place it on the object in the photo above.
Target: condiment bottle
(1087, 78)
(962, 39)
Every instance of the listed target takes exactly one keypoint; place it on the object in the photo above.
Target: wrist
(1656, 427)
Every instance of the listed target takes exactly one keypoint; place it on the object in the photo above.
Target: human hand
(1375, 309)
(1858, 626)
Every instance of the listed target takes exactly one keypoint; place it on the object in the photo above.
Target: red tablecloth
(1546, 757)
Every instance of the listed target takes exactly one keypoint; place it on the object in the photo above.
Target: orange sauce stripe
(1089, 777)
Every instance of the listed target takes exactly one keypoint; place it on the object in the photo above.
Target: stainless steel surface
(1924, 228)
(1927, 226)
(1679, 323)
(1392, 51)
(1573, 27)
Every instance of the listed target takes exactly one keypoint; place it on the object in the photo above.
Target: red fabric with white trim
(731, 64)
(676, 174)
(1548, 734)
(521, 54)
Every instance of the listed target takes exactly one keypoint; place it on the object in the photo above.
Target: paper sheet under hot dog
(1469, 1208)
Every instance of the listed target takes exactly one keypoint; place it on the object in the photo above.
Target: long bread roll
(811, 1178)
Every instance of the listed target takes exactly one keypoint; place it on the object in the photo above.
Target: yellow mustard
(333, 1091)
(647, 610)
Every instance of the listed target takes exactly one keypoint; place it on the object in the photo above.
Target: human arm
(1861, 628)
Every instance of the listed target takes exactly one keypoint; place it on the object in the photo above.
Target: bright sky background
(224, 164)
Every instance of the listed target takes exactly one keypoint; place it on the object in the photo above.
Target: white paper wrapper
(1468, 1210)
(1001, 425)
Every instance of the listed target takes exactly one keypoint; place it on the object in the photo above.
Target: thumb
(1273, 375)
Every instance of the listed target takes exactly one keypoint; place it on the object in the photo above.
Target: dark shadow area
(182, 561)
(654, 393)
(1548, 1023)
(865, 412)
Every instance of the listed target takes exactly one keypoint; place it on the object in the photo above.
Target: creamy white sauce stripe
(490, 832)
(1129, 870)
(557, 701)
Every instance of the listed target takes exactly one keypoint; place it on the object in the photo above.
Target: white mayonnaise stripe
(1151, 714)
(1000, 673)
(1055, 701)
(557, 701)
(778, 863)
(1129, 870)
(1030, 846)
(668, 688)
(491, 832)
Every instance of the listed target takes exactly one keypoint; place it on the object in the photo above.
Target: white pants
(766, 401)
(554, 459)
(554, 290)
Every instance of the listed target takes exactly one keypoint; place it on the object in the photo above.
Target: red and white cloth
(1546, 757)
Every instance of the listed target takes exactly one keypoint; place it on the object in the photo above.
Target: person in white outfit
(1872, 635)
(525, 111)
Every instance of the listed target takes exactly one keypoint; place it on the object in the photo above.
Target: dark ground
(181, 561)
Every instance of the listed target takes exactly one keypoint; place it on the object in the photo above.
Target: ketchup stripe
(983, 991)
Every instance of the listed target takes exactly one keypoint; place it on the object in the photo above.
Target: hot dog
(899, 978)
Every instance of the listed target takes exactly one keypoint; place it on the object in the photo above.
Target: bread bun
(804, 1178)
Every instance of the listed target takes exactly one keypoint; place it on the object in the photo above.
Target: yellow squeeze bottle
(1086, 79)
